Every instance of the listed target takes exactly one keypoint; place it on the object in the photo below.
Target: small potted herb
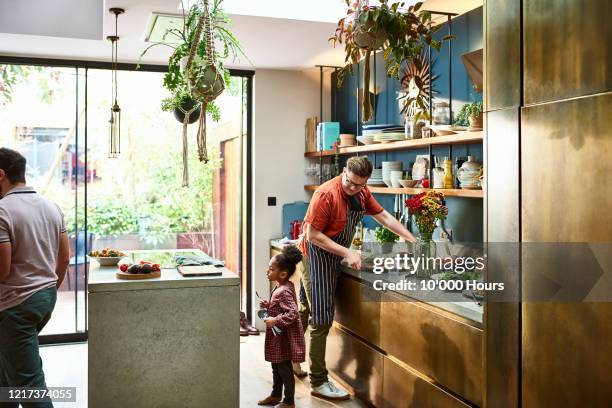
(470, 114)
(386, 238)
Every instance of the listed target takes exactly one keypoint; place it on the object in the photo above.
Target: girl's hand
(270, 321)
(264, 304)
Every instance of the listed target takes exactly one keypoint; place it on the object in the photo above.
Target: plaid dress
(290, 344)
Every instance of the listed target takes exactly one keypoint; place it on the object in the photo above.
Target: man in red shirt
(334, 212)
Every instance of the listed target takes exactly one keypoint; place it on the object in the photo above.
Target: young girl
(289, 345)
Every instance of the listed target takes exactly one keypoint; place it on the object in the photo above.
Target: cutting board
(199, 270)
(138, 276)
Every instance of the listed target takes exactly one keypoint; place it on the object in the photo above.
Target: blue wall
(465, 214)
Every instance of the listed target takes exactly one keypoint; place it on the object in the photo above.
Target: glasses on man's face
(352, 184)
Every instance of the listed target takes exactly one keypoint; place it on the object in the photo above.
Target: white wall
(283, 100)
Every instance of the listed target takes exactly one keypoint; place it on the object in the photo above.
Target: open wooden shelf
(459, 138)
(454, 192)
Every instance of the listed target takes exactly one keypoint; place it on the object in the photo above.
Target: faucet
(446, 233)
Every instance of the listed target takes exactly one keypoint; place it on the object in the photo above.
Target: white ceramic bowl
(108, 260)
(408, 183)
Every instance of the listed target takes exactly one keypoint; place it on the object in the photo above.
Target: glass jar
(441, 113)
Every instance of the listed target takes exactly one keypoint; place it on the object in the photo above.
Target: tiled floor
(66, 366)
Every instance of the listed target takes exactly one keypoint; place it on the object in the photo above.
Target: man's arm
(323, 241)
(5, 260)
(63, 259)
(394, 225)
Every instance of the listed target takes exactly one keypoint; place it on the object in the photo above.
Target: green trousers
(20, 362)
(318, 334)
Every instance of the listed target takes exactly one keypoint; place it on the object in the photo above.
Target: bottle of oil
(448, 173)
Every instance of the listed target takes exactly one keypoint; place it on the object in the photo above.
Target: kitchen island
(165, 342)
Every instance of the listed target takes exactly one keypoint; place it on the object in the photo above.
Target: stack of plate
(396, 176)
(387, 137)
(376, 178)
(383, 133)
(370, 129)
(367, 139)
(387, 168)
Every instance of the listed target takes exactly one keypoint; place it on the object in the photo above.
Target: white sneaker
(297, 370)
(330, 391)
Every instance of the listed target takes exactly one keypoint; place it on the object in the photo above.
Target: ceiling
(280, 34)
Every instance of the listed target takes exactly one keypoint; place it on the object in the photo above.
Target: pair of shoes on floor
(330, 391)
(246, 328)
(275, 401)
(297, 370)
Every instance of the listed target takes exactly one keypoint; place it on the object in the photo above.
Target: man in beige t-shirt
(34, 256)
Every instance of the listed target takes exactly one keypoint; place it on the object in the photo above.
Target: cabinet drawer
(404, 389)
(355, 364)
(447, 350)
(358, 309)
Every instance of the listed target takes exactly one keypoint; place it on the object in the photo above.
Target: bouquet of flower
(427, 208)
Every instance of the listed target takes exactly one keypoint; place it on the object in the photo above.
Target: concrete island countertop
(104, 278)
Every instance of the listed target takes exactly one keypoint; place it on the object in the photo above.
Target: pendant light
(114, 145)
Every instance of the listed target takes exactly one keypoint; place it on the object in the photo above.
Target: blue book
(330, 132)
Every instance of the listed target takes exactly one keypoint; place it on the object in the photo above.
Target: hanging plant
(189, 109)
(400, 33)
(196, 75)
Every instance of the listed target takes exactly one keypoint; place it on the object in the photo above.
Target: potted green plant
(196, 75)
(470, 114)
(182, 42)
(386, 238)
(400, 33)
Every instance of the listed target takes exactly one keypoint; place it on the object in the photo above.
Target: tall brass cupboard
(548, 148)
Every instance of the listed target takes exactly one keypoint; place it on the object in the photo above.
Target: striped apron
(325, 269)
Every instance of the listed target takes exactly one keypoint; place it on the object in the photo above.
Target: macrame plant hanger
(368, 42)
(205, 81)
(187, 114)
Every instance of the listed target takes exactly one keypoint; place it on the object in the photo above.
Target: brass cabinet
(566, 49)
(503, 145)
(566, 346)
(566, 155)
(445, 349)
(358, 309)
(355, 364)
(403, 388)
(502, 54)
(408, 352)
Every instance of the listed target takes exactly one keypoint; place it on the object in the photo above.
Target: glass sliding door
(58, 118)
(42, 116)
(137, 201)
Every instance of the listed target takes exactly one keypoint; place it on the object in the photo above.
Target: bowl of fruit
(107, 256)
(141, 270)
